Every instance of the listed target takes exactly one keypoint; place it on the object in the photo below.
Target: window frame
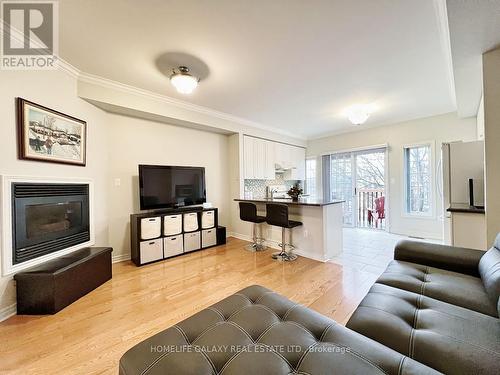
(306, 185)
(431, 215)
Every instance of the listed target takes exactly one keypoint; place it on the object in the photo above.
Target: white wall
(438, 129)
(57, 90)
(116, 144)
(491, 83)
(235, 158)
(135, 141)
(480, 120)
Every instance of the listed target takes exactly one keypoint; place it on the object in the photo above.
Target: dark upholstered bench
(257, 331)
(51, 286)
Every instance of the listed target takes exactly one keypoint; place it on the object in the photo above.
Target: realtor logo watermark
(30, 35)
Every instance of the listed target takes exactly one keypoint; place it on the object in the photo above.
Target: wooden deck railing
(366, 201)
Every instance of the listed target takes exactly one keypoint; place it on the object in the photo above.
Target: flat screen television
(171, 186)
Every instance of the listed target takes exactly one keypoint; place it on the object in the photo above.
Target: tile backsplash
(257, 188)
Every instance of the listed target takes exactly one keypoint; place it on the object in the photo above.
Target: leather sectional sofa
(435, 309)
(438, 305)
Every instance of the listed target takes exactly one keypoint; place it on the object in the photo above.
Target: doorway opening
(359, 178)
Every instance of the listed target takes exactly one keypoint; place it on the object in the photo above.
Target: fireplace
(48, 218)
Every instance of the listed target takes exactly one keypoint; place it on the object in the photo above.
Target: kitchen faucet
(270, 192)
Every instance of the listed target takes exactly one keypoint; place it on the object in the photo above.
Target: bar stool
(277, 215)
(248, 212)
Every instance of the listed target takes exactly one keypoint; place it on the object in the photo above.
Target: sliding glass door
(370, 192)
(341, 184)
(358, 178)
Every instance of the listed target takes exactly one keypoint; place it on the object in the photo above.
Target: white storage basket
(172, 225)
(208, 237)
(190, 222)
(173, 245)
(151, 250)
(208, 219)
(192, 241)
(150, 228)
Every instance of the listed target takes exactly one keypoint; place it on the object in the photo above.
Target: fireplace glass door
(49, 220)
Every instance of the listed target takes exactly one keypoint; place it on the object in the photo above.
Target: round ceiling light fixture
(183, 81)
(359, 113)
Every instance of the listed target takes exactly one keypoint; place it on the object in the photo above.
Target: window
(418, 180)
(311, 177)
(341, 184)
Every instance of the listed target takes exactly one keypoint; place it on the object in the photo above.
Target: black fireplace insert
(48, 218)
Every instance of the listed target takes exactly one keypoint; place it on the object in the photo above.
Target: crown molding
(368, 126)
(114, 85)
(61, 64)
(68, 68)
(82, 76)
(441, 12)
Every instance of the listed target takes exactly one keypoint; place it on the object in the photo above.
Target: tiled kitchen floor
(369, 250)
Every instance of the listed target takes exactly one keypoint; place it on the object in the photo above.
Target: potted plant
(295, 192)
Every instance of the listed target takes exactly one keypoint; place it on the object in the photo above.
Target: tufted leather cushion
(445, 337)
(489, 269)
(257, 331)
(447, 286)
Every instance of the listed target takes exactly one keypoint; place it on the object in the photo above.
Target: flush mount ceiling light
(183, 81)
(359, 113)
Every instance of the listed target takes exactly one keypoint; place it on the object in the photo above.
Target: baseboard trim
(8, 311)
(239, 236)
(422, 235)
(120, 258)
(274, 245)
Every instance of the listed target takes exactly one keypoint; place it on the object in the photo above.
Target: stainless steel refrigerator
(460, 161)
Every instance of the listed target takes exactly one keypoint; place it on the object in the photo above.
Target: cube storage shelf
(164, 234)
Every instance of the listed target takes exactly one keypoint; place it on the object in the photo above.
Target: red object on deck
(378, 213)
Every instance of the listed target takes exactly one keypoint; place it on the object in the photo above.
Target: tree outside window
(311, 177)
(418, 180)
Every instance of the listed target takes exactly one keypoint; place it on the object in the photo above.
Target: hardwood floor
(90, 336)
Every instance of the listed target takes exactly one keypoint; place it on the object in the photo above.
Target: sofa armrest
(451, 258)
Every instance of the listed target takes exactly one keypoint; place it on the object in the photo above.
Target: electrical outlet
(118, 182)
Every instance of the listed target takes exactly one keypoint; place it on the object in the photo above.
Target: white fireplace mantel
(6, 220)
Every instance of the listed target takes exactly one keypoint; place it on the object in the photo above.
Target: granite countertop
(305, 201)
(465, 208)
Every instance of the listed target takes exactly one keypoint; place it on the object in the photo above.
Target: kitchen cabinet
(262, 157)
(469, 230)
(248, 157)
(283, 157)
(259, 154)
(258, 159)
(297, 170)
(270, 169)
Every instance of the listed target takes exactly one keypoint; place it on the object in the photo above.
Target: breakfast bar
(320, 236)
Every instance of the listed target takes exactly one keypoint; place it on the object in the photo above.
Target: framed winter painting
(51, 136)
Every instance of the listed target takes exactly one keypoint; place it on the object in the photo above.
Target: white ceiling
(288, 64)
(474, 29)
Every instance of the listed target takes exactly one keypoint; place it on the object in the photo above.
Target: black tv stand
(174, 210)
(162, 234)
(189, 209)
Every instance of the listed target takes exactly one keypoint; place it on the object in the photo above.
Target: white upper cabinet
(297, 170)
(258, 159)
(262, 157)
(283, 157)
(270, 170)
(248, 157)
